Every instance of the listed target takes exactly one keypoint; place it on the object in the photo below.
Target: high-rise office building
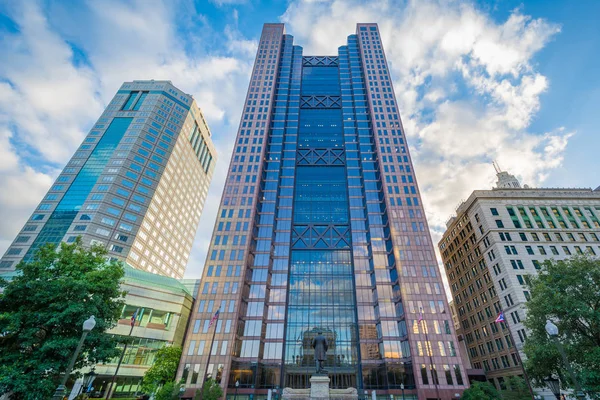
(321, 228)
(494, 245)
(137, 184)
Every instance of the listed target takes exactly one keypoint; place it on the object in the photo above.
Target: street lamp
(88, 380)
(88, 325)
(237, 385)
(552, 331)
(402, 388)
(554, 385)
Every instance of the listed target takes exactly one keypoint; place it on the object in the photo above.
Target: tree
(169, 391)
(481, 391)
(163, 370)
(566, 292)
(42, 311)
(517, 389)
(212, 390)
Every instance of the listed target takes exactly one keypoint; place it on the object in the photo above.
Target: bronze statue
(319, 343)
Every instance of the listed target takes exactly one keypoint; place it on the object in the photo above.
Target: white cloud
(48, 99)
(466, 87)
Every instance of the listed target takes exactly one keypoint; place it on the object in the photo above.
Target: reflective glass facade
(65, 212)
(322, 217)
(136, 185)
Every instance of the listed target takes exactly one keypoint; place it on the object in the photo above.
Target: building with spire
(493, 246)
(321, 228)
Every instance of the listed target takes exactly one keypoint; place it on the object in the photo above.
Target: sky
(511, 81)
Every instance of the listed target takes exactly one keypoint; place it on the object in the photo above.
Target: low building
(163, 307)
(494, 245)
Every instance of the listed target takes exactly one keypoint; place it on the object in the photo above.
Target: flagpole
(512, 339)
(429, 349)
(212, 342)
(112, 382)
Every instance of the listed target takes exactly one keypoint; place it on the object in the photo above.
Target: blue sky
(476, 81)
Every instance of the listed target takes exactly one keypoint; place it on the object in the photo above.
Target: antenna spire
(496, 167)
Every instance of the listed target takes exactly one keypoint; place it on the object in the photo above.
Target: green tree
(212, 390)
(516, 389)
(169, 391)
(163, 369)
(568, 293)
(42, 310)
(481, 391)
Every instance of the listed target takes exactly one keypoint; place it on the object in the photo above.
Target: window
(22, 239)
(130, 100)
(424, 375)
(529, 249)
(499, 223)
(542, 250)
(494, 211)
(523, 236)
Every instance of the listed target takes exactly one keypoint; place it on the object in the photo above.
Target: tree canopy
(516, 389)
(163, 370)
(42, 310)
(481, 391)
(212, 390)
(566, 292)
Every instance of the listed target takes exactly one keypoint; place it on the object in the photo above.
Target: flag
(420, 314)
(214, 318)
(133, 317)
(500, 317)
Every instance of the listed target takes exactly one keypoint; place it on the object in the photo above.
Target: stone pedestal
(319, 387)
(319, 390)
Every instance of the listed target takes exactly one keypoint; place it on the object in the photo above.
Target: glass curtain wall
(384, 347)
(321, 278)
(66, 210)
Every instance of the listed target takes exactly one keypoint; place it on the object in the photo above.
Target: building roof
(523, 193)
(150, 279)
(136, 275)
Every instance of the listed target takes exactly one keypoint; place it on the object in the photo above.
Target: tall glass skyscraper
(321, 228)
(137, 184)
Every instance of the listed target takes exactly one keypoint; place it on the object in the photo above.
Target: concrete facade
(492, 247)
(136, 185)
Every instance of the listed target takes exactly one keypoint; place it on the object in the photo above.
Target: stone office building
(494, 245)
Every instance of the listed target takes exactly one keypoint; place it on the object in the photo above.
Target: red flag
(500, 317)
(134, 316)
(214, 318)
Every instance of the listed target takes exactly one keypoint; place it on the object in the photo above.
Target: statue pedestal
(319, 387)
(319, 390)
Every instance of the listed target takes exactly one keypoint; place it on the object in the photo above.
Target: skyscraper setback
(321, 228)
(137, 184)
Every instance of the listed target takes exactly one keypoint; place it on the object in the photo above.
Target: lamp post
(554, 385)
(88, 379)
(552, 331)
(88, 325)
(237, 385)
(402, 388)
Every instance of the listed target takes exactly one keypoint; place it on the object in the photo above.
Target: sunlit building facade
(162, 307)
(136, 185)
(493, 246)
(321, 228)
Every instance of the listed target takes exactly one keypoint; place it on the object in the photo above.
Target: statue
(319, 343)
